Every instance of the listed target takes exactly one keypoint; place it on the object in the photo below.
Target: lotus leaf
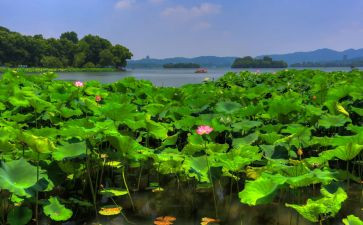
(228, 107)
(262, 190)
(17, 176)
(19, 216)
(111, 192)
(328, 205)
(69, 150)
(56, 211)
(329, 120)
(352, 220)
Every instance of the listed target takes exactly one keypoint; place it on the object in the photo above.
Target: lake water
(168, 77)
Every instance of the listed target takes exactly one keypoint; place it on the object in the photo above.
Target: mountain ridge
(318, 55)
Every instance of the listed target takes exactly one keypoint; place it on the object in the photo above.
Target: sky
(189, 28)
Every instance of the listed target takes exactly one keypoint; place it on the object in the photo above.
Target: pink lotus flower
(78, 84)
(98, 98)
(204, 129)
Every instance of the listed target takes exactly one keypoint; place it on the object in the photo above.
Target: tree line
(181, 65)
(67, 51)
(265, 62)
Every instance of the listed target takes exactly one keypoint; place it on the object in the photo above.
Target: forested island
(358, 62)
(181, 65)
(265, 62)
(68, 51)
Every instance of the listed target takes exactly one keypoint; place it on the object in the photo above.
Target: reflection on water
(167, 77)
(189, 206)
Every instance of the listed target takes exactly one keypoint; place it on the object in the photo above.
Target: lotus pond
(273, 148)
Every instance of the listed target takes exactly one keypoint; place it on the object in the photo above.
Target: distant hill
(203, 61)
(320, 55)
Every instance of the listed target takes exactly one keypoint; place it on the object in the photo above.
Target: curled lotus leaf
(262, 190)
(328, 204)
(38, 143)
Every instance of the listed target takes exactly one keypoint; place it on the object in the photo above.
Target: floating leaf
(110, 210)
(110, 192)
(56, 211)
(164, 220)
(206, 221)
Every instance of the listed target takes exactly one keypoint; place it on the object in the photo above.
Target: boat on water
(201, 70)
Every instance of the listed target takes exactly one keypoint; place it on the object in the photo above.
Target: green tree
(106, 58)
(121, 54)
(51, 62)
(70, 36)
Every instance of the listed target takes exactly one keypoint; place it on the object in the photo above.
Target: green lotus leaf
(38, 143)
(352, 220)
(329, 120)
(158, 130)
(69, 150)
(328, 205)
(17, 176)
(246, 125)
(56, 211)
(19, 216)
(348, 152)
(197, 167)
(284, 105)
(228, 107)
(247, 140)
(111, 192)
(262, 190)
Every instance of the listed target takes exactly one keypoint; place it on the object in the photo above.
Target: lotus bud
(300, 152)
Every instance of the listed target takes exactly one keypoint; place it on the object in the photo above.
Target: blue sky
(167, 28)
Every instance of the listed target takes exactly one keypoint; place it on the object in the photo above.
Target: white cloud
(156, 1)
(124, 4)
(183, 12)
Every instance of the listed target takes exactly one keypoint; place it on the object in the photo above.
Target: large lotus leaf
(228, 107)
(329, 120)
(19, 216)
(352, 220)
(38, 143)
(252, 110)
(284, 106)
(328, 204)
(348, 152)
(245, 125)
(270, 138)
(197, 167)
(68, 112)
(359, 111)
(314, 177)
(17, 176)
(169, 161)
(111, 192)
(56, 211)
(124, 144)
(186, 122)
(262, 190)
(158, 130)
(119, 112)
(69, 150)
(247, 140)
